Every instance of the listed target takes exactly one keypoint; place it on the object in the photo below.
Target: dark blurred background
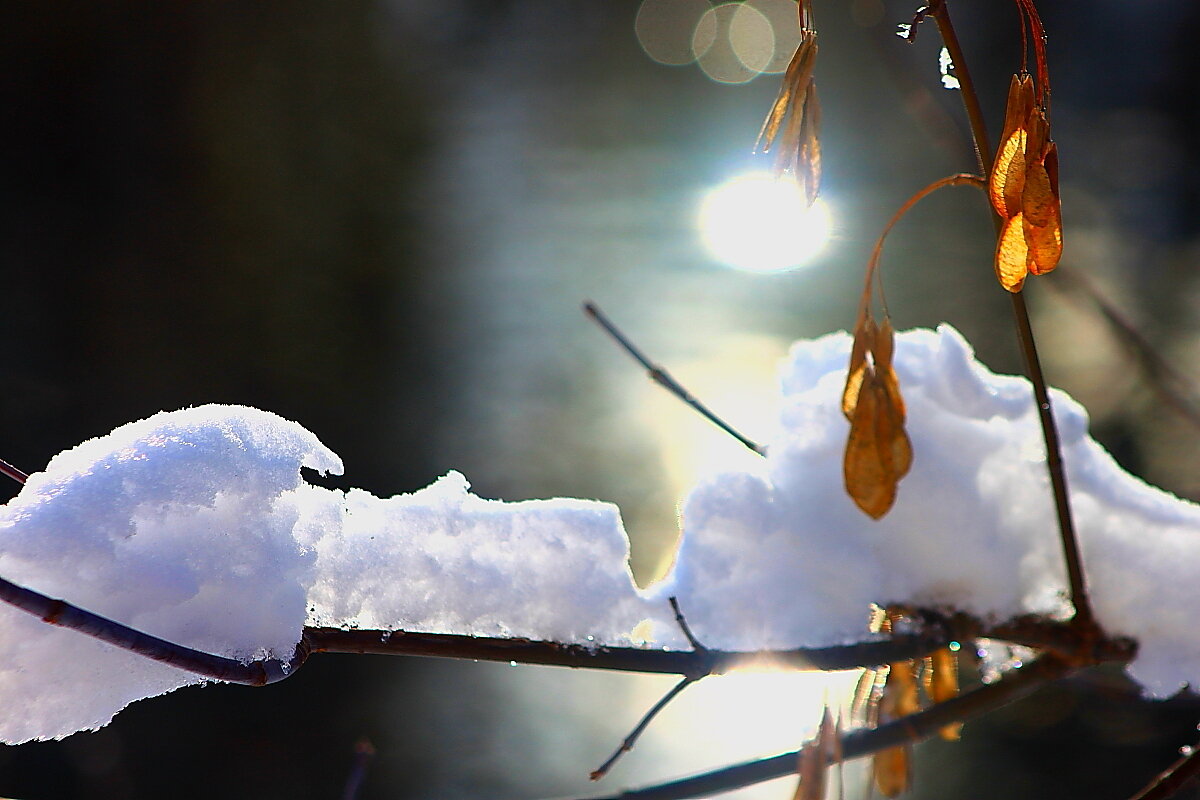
(379, 219)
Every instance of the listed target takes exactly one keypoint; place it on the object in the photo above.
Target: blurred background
(380, 218)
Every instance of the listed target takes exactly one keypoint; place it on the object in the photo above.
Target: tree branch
(620, 659)
(664, 379)
(916, 727)
(59, 612)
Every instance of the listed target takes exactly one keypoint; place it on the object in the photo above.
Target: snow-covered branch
(195, 527)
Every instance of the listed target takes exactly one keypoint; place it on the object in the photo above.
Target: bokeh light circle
(665, 29)
(751, 38)
(714, 50)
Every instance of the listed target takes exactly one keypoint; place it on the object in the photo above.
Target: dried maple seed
(878, 451)
(1023, 187)
(792, 127)
(941, 667)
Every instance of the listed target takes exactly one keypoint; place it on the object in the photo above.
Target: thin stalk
(12, 472)
(59, 612)
(664, 379)
(1084, 617)
(1173, 779)
(629, 741)
(866, 741)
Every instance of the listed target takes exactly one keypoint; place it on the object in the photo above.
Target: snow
(446, 561)
(187, 526)
(783, 558)
(196, 526)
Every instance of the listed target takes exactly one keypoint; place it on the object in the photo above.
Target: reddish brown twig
(12, 472)
(1084, 617)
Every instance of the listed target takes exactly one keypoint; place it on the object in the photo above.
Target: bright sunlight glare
(747, 715)
(758, 223)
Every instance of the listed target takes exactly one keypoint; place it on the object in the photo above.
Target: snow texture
(196, 526)
(188, 526)
(784, 558)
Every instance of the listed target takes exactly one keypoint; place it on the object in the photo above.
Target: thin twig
(1084, 617)
(364, 751)
(12, 472)
(1172, 387)
(866, 741)
(664, 379)
(59, 612)
(629, 741)
(1173, 778)
(683, 626)
(704, 669)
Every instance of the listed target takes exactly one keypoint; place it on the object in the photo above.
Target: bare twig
(916, 727)
(1084, 617)
(683, 626)
(1172, 387)
(59, 612)
(12, 472)
(629, 741)
(664, 379)
(1173, 779)
(688, 679)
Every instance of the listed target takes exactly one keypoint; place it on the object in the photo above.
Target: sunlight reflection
(746, 715)
(736, 378)
(756, 223)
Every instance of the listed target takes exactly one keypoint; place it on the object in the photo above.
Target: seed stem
(1084, 617)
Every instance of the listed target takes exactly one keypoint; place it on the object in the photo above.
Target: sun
(757, 223)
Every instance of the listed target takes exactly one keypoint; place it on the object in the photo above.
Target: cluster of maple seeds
(1023, 189)
(886, 693)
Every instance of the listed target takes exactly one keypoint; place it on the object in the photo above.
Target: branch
(664, 379)
(1084, 617)
(696, 664)
(12, 472)
(1173, 779)
(629, 741)
(59, 612)
(916, 727)
(1168, 383)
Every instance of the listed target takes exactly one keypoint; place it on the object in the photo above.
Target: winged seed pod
(878, 451)
(815, 757)
(941, 684)
(1023, 189)
(792, 126)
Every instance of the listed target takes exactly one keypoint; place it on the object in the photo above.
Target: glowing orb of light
(757, 223)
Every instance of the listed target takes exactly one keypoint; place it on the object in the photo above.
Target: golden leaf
(942, 671)
(1008, 177)
(1044, 243)
(1012, 254)
(1037, 201)
(792, 126)
(878, 451)
(864, 337)
(893, 770)
(1009, 168)
(866, 474)
(796, 78)
(1023, 189)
